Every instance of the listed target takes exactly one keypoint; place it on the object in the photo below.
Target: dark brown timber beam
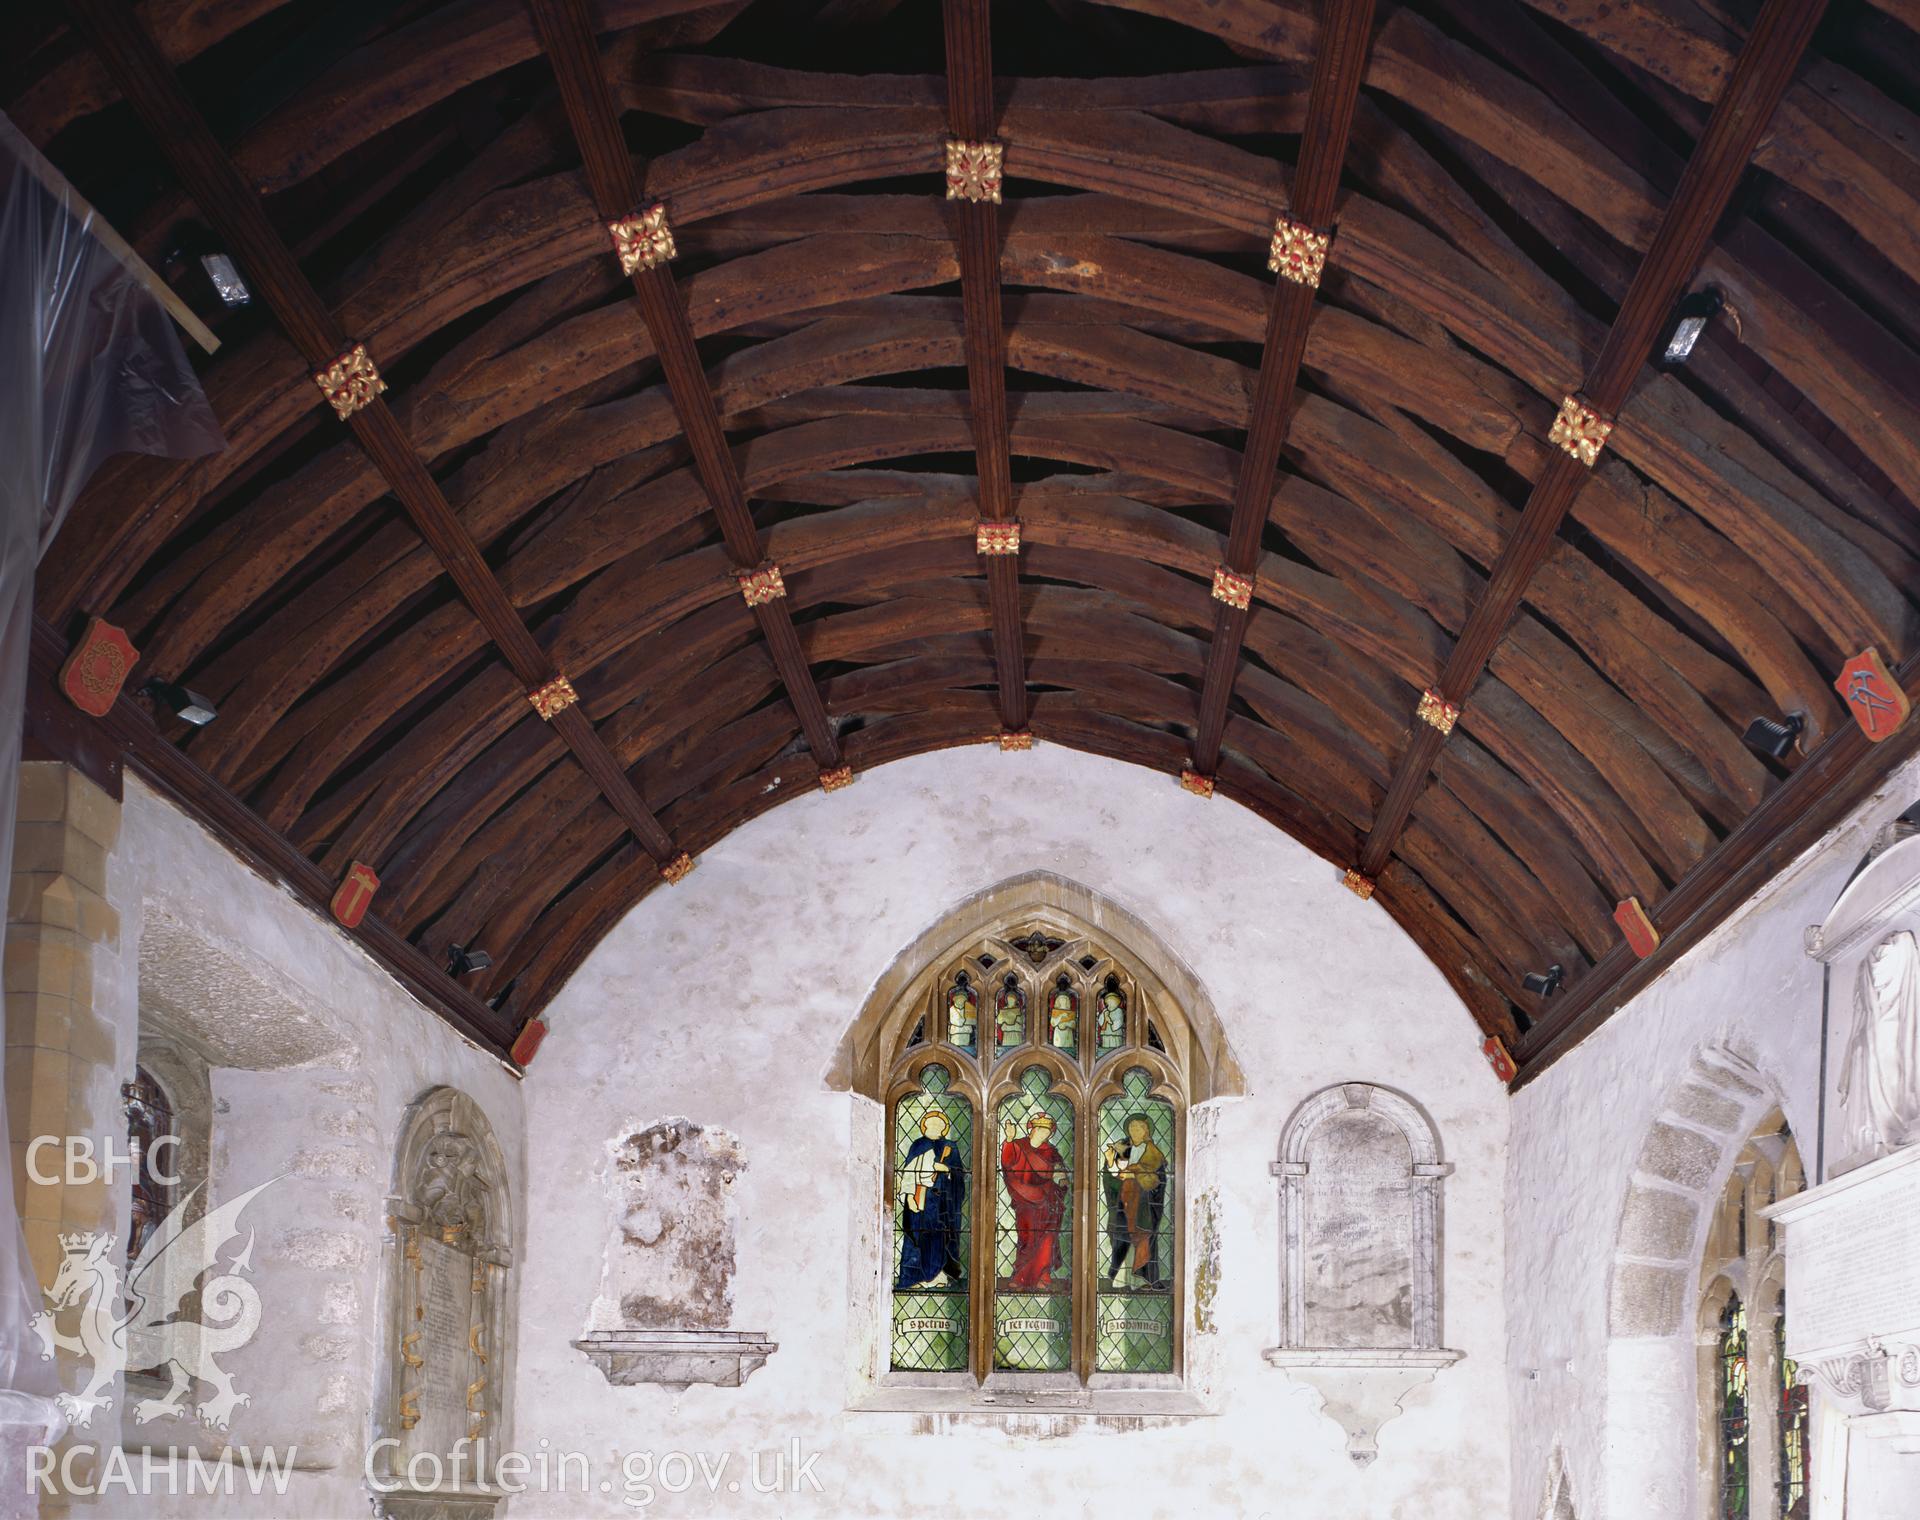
(642, 238)
(1765, 68)
(347, 376)
(973, 201)
(1837, 777)
(56, 728)
(1300, 242)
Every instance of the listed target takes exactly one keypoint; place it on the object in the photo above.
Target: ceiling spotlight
(186, 705)
(1695, 312)
(461, 960)
(1775, 740)
(225, 278)
(1544, 983)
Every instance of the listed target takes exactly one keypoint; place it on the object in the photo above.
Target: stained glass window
(1037, 1094)
(149, 1117)
(1796, 1455)
(1009, 1014)
(1133, 1320)
(1112, 1015)
(1063, 1017)
(1732, 1364)
(963, 1014)
(932, 1240)
(1033, 1229)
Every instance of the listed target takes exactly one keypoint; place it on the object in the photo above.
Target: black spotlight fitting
(1690, 323)
(1544, 983)
(186, 705)
(461, 960)
(1775, 739)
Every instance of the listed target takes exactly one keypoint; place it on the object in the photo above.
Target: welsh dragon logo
(228, 1311)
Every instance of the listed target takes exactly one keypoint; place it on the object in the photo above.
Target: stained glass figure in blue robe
(933, 1192)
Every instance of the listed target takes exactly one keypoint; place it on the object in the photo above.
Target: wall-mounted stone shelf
(1360, 1390)
(677, 1359)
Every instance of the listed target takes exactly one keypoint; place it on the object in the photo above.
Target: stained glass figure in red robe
(1036, 1179)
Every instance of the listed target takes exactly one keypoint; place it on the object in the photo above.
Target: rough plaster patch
(326, 1249)
(1679, 1155)
(327, 1348)
(322, 1161)
(669, 1256)
(1647, 1300)
(224, 1000)
(1658, 1223)
(1206, 1272)
(339, 1304)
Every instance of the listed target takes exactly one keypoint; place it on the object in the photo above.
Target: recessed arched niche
(1360, 1175)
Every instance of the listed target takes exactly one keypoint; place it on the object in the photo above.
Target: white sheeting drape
(90, 365)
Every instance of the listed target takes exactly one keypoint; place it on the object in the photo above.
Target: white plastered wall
(330, 1124)
(723, 1000)
(1623, 1406)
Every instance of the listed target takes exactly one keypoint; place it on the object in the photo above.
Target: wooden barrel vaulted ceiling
(747, 500)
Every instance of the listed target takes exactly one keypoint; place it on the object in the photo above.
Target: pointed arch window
(1036, 1109)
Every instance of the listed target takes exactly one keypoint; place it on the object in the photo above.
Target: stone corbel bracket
(1360, 1390)
(677, 1359)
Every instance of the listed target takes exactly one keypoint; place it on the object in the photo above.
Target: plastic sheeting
(90, 365)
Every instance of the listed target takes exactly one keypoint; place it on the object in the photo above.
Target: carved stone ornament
(973, 170)
(1360, 886)
(997, 538)
(675, 871)
(642, 240)
(835, 779)
(1580, 430)
(677, 1358)
(447, 1350)
(1233, 588)
(1191, 780)
(758, 587)
(350, 382)
(1014, 739)
(1437, 712)
(1298, 253)
(554, 697)
(93, 674)
(1360, 1176)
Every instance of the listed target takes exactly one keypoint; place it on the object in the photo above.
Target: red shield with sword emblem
(97, 668)
(355, 894)
(1872, 695)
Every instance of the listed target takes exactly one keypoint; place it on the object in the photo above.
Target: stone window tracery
(1036, 1102)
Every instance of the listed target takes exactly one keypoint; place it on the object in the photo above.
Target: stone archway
(1651, 1462)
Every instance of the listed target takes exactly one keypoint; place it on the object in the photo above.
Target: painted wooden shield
(98, 668)
(529, 1041)
(1872, 695)
(1495, 1050)
(1642, 938)
(355, 894)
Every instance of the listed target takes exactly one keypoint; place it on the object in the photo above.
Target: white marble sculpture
(1879, 1081)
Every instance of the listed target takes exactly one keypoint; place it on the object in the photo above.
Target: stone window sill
(984, 1406)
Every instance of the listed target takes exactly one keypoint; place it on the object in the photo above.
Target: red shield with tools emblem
(1495, 1050)
(98, 668)
(1872, 695)
(355, 894)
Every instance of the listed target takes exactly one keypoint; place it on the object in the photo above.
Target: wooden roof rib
(1265, 517)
